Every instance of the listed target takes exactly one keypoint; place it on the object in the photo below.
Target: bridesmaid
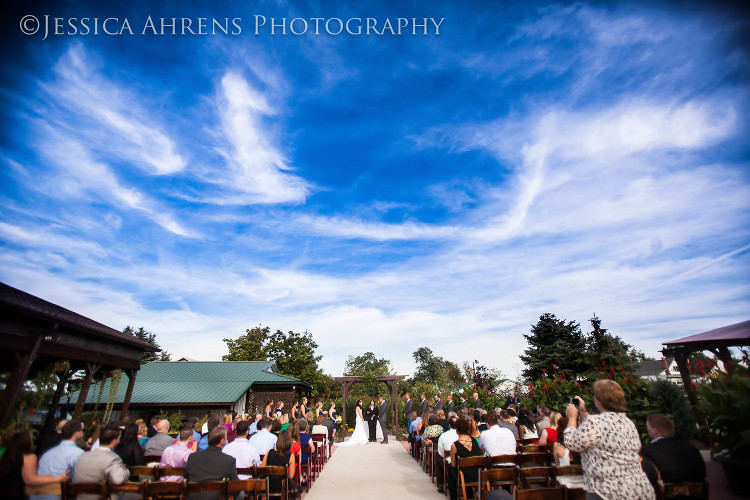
(295, 411)
(318, 410)
(269, 409)
(303, 407)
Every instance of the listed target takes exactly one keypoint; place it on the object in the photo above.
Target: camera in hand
(576, 402)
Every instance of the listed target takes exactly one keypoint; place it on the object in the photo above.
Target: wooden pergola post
(16, 380)
(129, 393)
(91, 370)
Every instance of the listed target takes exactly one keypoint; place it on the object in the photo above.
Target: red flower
(546, 387)
(622, 369)
(603, 363)
(544, 371)
(692, 386)
(31, 411)
(596, 368)
(612, 369)
(563, 375)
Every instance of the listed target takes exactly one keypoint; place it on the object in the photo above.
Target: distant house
(199, 388)
(660, 369)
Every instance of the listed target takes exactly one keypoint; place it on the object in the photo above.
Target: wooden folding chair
(252, 488)
(159, 490)
(499, 460)
(534, 459)
(434, 463)
(446, 456)
(169, 471)
(533, 476)
(539, 494)
(152, 458)
(559, 471)
(526, 441)
(306, 467)
(463, 463)
(246, 471)
(687, 489)
(493, 479)
(574, 493)
(530, 448)
(320, 448)
(71, 490)
(206, 487)
(266, 472)
(144, 471)
(129, 488)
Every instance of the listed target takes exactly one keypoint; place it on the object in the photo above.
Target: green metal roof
(194, 382)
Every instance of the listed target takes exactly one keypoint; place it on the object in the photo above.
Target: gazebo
(35, 333)
(717, 341)
(391, 381)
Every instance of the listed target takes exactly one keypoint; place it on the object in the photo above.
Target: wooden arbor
(35, 333)
(391, 381)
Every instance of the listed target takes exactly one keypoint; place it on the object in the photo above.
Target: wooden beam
(91, 369)
(16, 380)
(129, 393)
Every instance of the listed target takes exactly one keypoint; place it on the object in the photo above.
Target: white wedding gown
(361, 434)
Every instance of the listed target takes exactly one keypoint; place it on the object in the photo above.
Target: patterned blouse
(609, 445)
(431, 432)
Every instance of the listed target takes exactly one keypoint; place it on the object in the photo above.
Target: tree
(434, 369)
(370, 368)
(610, 352)
(554, 345)
(293, 352)
(146, 336)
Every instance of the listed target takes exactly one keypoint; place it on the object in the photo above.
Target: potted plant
(725, 402)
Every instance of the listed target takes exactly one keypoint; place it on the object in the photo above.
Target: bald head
(162, 426)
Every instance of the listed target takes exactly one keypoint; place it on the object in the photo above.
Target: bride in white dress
(361, 434)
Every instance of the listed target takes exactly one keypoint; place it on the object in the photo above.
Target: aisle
(373, 471)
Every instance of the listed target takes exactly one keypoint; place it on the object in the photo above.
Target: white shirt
(245, 453)
(498, 441)
(263, 441)
(445, 441)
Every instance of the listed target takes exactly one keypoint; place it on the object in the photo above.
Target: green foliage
(554, 345)
(370, 368)
(725, 401)
(146, 336)
(673, 402)
(293, 353)
(556, 391)
(602, 346)
(175, 420)
(434, 369)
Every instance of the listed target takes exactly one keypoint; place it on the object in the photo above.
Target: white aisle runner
(373, 471)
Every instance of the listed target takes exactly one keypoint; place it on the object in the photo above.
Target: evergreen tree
(146, 336)
(554, 346)
(608, 352)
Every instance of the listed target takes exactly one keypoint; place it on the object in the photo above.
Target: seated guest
(320, 428)
(279, 456)
(254, 425)
(482, 424)
(60, 459)
(191, 423)
(177, 454)
(276, 427)
(442, 419)
(152, 427)
(102, 464)
(413, 423)
(465, 446)
(211, 464)
(445, 441)
(543, 421)
(242, 449)
(305, 440)
(563, 456)
(142, 433)
(159, 442)
(129, 448)
(430, 435)
(263, 440)
(330, 424)
(549, 434)
(232, 433)
(474, 431)
(677, 461)
(526, 425)
(212, 424)
(50, 440)
(497, 440)
(505, 422)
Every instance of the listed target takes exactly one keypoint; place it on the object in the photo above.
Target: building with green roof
(198, 388)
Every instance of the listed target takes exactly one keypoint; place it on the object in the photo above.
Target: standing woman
(303, 409)
(18, 466)
(295, 411)
(279, 409)
(269, 409)
(609, 444)
(318, 410)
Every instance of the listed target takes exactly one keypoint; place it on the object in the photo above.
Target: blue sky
(384, 192)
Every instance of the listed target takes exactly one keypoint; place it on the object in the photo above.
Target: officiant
(371, 416)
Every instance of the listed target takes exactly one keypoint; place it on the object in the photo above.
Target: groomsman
(451, 404)
(477, 402)
(408, 407)
(439, 405)
(464, 404)
(424, 406)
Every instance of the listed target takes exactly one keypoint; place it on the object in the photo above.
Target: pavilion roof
(727, 336)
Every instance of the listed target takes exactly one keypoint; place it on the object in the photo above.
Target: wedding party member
(318, 410)
(451, 405)
(268, 410)
(303, 407)
(477, 401)
(18, 466)
(360, 436)
(511, 401)
(371, 417)
(383, 419)
(295, 410)
(609, 444)
(465, 446)
(424, 404)
(279, 409)
(408, 407)
(464, 403)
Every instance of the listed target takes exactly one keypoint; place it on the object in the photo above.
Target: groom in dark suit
(383, 417)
